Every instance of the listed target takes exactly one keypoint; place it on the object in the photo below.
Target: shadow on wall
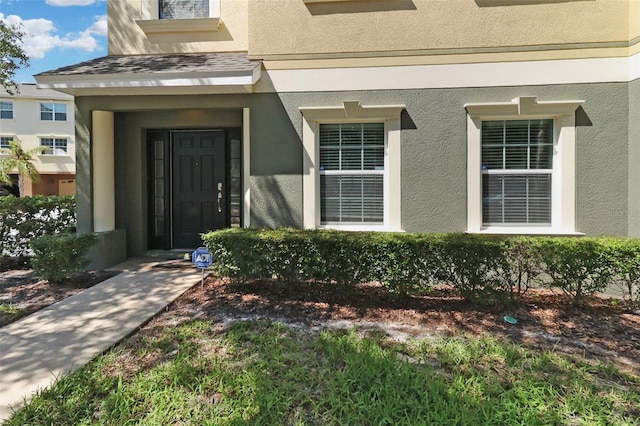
(124, 34)
(359, 7)
(582, 119)
(270, 207)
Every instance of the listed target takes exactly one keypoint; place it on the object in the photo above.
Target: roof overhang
(156, 75)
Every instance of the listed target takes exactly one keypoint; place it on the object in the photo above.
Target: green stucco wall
(433, 152)
(634, 158)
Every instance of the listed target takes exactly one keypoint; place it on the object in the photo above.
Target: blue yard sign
(202, 258)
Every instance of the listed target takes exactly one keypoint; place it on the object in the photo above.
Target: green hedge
(479, 267)
(25, 218)
(57, 257)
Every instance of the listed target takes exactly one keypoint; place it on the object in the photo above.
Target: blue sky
(57, 32)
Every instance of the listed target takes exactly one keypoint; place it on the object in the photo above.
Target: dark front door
(198, 185)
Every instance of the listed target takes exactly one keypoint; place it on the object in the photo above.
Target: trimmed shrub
(624, 256)
(57, 257)
(22, 219)
(522, 266)
(479, 267)
(580, 267)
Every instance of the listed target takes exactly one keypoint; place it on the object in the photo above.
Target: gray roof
(26, 90)
(171, 63)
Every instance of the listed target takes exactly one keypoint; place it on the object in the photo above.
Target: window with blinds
(5, 142)
(51, 111)
(54, 146)
(6, 110)
(183, 9)
(351, 173)
(517, 163)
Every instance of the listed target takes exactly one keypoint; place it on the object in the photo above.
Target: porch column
(104, 217)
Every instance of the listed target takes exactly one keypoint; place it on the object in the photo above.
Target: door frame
(159, 174)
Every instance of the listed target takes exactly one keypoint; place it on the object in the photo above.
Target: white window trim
(152, 24)
(53, 154)
(12, 137)
(53, 118)
(352, 111)
(13, 115)
(563, 188)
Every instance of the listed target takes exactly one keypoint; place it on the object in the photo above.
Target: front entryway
(191, 185)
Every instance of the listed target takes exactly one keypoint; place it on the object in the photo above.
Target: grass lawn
(266, 373)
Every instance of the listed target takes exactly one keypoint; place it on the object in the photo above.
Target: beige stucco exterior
(57, 171)
(634, 19)
(433, 26)
(126, 36)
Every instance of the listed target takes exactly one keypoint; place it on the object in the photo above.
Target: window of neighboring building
(55, 146)
(351, 173)
(517, 168)
(521, 167)
(51, 111)
(352, 155)
(6, 110)
(5, 141)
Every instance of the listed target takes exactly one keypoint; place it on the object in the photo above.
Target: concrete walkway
(65, 336)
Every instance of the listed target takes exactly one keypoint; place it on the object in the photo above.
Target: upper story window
(51, 111)
(183, 9)
(5, 142)
(6, 110)
(179, 16)
(54, 146)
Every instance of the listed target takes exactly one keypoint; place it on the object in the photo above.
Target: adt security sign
(202, 258)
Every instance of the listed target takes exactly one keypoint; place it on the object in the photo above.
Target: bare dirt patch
(600, 329)
(22, 293)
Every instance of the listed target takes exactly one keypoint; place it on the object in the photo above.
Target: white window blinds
(517, 168)
(352, 173)
(183, 9)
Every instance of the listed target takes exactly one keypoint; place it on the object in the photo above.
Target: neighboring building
(42, 118)
(480, 116)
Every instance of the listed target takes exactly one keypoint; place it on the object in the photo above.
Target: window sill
(165, 26)
(361, 228)
(521, 230)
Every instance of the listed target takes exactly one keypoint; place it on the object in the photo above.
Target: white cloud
(99, 27)
(41, 36)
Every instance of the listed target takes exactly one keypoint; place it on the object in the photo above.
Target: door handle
(219, 204)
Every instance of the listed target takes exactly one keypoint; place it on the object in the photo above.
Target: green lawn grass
(264, 373)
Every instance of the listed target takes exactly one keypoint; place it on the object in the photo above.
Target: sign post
(202, 258)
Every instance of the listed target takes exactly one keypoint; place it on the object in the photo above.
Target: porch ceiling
(178, 74)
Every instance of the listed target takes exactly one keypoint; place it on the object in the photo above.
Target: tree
(12, 57)
(20, 160)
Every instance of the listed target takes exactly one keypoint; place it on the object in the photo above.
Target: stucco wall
(294, 27)
(127, 38)
(433, 152)
(634, 158)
